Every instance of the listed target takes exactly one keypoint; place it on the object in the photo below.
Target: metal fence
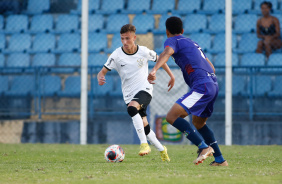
(49, 92)
(40, 58)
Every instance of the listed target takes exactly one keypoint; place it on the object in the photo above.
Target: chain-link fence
(40, 58)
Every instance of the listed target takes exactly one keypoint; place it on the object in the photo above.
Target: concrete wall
(120, 130)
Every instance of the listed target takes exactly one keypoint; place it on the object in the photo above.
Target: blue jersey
(191, 59)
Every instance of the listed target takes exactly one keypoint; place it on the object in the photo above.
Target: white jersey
(133, 70)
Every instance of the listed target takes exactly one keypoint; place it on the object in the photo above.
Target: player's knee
(170, 119)
(132, 111)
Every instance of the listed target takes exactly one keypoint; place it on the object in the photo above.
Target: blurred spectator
(268, 29)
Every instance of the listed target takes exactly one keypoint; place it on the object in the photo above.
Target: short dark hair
(267, 3)
(127, 28)
(174, 25)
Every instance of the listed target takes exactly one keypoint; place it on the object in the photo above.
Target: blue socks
(202, 145)
(183, 126)
(208, 136)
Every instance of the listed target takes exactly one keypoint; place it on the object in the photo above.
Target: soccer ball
(114, 153)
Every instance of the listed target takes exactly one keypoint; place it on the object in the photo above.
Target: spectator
(268, 30)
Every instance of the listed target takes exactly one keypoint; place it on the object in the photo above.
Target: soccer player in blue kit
(199, 75)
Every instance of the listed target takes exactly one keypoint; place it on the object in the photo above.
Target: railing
(35, 102)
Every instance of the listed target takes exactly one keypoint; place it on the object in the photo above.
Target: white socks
(138, 124)
(154, 141)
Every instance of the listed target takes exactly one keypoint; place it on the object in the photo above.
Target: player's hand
(101, 80)
(152, 77)
(171, 83)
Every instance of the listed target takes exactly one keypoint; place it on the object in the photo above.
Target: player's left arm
(211, 64)
(163, 58)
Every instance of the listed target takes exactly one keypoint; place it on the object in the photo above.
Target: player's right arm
(172, 78)
(108, 66)
(163, 58)
(101, 76)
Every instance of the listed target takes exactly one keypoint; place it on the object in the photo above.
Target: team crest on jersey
(140, 62)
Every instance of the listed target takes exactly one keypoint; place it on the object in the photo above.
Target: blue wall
(120, 130)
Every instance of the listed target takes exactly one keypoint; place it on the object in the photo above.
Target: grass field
(43, 163)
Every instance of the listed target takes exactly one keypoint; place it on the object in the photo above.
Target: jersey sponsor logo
(147, 88)
(122, 65)
(111, 60)
(135, 98)
(140, 62)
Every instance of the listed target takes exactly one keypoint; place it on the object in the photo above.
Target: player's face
(128, 39)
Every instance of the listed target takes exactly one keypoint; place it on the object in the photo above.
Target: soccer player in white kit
(131, 62)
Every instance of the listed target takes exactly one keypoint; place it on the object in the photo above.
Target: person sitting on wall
(268, 30)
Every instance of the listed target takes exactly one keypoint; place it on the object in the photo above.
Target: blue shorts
(199, 101)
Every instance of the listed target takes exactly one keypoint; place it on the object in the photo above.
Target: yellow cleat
(164, 155)
(144, 149)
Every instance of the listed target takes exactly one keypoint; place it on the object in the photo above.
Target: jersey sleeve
(111, 64)
(151, 55)
(171, 43)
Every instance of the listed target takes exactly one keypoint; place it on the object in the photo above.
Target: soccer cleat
(164, 155)
(224, 163)
(144, 149)
(203, 154)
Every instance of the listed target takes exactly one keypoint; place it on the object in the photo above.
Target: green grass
(44, 163)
